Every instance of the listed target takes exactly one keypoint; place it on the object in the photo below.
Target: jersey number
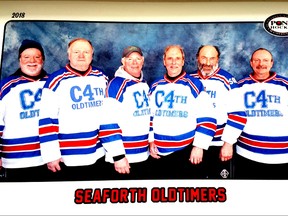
(77, 94)
(140, 99)
(28, 98)
(161, 98)
(250, 99)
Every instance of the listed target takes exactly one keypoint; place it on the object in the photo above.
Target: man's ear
(123, 60)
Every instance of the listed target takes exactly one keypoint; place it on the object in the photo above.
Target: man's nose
(174, 61)
(32, 59)
(81, 54)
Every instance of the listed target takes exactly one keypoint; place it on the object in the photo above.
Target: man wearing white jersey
(75, 129)
(183, 124)
(262, 149)
(128, 94)
(231, 118)
(19, 115)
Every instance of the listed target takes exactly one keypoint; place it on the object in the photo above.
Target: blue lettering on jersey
(251, 99)
(142, 112)
(264, 113)
(28, 98)
(84, 105)
(29, 114)
(211, 93)
(140, 99)
(171, 113)
(77, 94)
(169, 98)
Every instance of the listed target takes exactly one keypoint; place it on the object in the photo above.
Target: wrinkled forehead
(208, 51)
(174, 51)
(262, 54)
(80, 44)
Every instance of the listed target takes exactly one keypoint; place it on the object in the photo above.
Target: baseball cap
(26, 44)
(130, 49)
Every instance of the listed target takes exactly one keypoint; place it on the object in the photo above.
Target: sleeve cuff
(119, 157)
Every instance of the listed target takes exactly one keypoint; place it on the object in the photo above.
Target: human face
(80, 54)
(31, 62)
(133, 64)
(261, 63)
(173, 61)
(207, 60)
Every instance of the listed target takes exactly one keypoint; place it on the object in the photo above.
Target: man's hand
(196, 155)
(226, 152)
(54, 166)
(122, 166)
(154, 151)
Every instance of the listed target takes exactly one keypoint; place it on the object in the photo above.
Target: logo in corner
(277, 25)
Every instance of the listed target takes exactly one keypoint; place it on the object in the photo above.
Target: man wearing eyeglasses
(127, 94)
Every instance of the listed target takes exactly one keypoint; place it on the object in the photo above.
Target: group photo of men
(136, 101)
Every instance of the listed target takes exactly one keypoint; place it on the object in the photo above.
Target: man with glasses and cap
(128, 95)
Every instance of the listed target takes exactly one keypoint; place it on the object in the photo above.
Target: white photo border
(261, 197)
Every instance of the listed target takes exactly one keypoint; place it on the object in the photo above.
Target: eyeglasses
(133, 59)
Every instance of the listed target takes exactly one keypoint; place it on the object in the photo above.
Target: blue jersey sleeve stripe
(77, 151)
(263, 150)
(16, 155)
(25, 140)
(47, 121)
(176, 137)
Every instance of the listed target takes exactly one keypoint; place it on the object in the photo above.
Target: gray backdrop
(236, 40)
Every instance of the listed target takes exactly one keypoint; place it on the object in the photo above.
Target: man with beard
(183, 123)
(231, 118)
(19, 116)
(262, 149)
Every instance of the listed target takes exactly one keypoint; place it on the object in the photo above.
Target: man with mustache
(262, 149)
(19, 115)
(231, 118)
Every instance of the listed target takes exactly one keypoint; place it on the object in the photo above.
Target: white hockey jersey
(129, 97)
(182, 113)
(19, 116)
(73, 122)
(265, 136)
(231, 117)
